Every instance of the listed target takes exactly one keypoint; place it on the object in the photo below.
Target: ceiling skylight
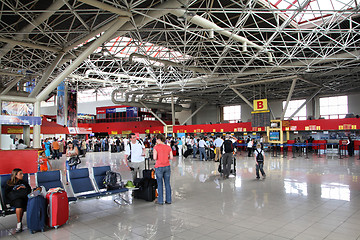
(314, 10)
(123, 47)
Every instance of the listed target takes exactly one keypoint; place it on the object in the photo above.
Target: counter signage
(20, 120)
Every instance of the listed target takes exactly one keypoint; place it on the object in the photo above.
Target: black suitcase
(188, 152)
(147, 185)
(147, 188)
(113, 149)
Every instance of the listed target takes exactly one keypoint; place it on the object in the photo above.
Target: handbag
(73, 161)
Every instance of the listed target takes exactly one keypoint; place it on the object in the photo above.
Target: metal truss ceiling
(196, 50)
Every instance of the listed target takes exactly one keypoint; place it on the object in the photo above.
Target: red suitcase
(58, 208)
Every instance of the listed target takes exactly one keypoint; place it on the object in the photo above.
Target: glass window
(334, 107)
(232, 113)
(292, 107)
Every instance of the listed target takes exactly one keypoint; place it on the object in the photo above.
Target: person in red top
(162, 154)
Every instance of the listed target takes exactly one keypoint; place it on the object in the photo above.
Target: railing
(333, 116)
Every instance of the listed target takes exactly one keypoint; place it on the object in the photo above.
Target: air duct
(169, 63)
(150, 104)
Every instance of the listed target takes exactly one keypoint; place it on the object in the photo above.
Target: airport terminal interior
(283, 73)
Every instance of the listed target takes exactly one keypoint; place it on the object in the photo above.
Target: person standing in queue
(16, 190)
(228, 149)
(135, 152)
(162, 154)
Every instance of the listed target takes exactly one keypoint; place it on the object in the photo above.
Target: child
(44, 163)
(259, 160)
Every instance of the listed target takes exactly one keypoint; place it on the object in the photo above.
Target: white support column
(46, 75)
(37, 128)
(242, 97)
(306, 102)
(288, 98)
(156, 116)
(26, 135)
(172, 110)
(104, 37)
(193, 114)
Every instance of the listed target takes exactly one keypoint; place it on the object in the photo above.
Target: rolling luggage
(113, 149)
(148, 173)
(58, 208)
(188, 152)
(210, 154)
(36, 214)
(147, 185)
(147, 189)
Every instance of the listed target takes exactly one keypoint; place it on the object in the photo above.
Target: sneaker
(18, 227)
(167, 202)
(159, 203)
(264, 176)
(257, 177)
(129, 184)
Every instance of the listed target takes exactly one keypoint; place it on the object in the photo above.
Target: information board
(261, 119)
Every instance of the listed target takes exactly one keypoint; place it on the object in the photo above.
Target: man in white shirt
(21, 145)
(218, 142)
(136, 150)
(202, 145)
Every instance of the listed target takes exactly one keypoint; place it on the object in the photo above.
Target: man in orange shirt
(55, 149)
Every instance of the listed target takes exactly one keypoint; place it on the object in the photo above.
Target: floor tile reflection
(301, 198)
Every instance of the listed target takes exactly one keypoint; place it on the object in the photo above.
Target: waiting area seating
(81, 183)
(51, 179)
(84, 187)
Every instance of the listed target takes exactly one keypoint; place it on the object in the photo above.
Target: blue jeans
(260, 166)
(194, 151)
(202, 153)
(163, 173)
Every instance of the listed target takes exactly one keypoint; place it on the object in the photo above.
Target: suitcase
(36, 214)
(174, 152)
(210, 154)
(58, 208)
(113, 149)
(147, 189)
(188, 152)
(147, 185)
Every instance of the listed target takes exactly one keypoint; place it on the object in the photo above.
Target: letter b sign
(260, 105)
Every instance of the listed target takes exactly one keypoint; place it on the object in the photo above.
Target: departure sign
(260, 105)
(260, 117)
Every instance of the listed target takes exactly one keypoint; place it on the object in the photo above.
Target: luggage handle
(147, 167)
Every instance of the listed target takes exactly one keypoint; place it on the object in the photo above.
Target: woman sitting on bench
(16, 190)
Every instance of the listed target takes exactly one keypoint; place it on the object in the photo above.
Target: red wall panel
(24, 159)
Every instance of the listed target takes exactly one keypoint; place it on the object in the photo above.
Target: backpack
(112, 180)
(259, 156)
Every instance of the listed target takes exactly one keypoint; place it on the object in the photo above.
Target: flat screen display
(274, 136)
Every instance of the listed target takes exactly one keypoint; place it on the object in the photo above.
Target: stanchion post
(293, 150)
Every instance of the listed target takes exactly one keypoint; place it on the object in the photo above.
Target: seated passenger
(16, 190)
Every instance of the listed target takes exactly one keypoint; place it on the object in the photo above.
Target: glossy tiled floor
(314, 198)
